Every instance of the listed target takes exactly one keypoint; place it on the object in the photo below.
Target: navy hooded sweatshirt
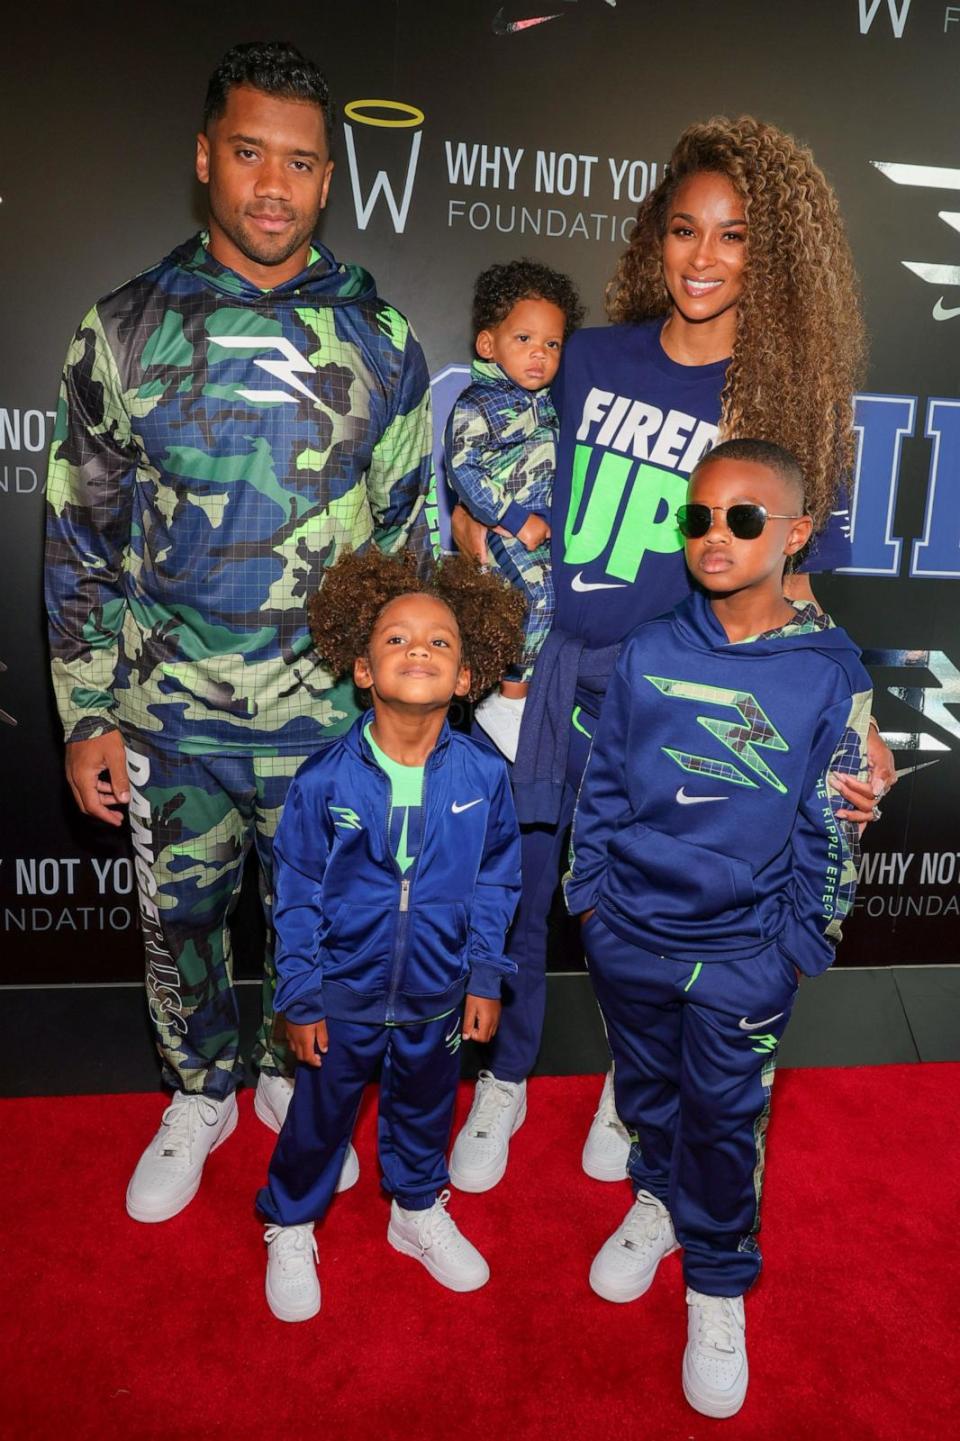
(705, 829)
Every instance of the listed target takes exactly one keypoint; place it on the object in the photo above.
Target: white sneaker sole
(479, 1179)
(349, 1171)
(284, 1311)
(709, 1404)
(178, 1199)
(622, 1291)
(400, 1243)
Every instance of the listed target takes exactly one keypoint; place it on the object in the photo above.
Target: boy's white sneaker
(168, 1174)
(627, 1262)
(271, 1102)
(500, 717)
(715, 1371)
(607, 1146)
(479, 1156)
(432, 1237)
(292, 1287)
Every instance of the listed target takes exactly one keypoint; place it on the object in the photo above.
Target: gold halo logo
(407, 115)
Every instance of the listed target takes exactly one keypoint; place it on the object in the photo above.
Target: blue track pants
(695, 1049)
(419, 1071)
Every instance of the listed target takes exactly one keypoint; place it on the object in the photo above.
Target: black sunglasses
(745, 521)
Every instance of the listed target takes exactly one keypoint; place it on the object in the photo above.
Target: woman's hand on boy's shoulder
(308, 1043)
(481, 1017)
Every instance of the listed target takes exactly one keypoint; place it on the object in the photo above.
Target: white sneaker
(271, 1101)
(715, 1371)
(292, 1287)
(627, 1262)
(500, 717)
(168, 1174)
(607, 1146)
(432, 1237)
(479, 1156)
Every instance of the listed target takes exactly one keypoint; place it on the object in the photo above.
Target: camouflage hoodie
(216, 447)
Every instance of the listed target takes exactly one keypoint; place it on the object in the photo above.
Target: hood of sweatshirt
(325, 281)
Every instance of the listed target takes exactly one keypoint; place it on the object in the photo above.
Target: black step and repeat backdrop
(475, 132)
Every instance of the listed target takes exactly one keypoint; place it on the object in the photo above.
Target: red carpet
(113, 1329)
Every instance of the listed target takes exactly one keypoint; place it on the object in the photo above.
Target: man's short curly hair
(500, 287)
(489, 612)
(274, 67)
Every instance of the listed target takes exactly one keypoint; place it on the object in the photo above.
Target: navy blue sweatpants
(695, 1048)
(420, 1068)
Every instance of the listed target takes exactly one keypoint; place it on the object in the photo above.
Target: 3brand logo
(286, 369)
(755, 729)
(930, 177)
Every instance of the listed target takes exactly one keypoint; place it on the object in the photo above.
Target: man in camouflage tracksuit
(229, 422)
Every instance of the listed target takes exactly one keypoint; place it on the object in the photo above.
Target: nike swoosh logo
(466, 806)
(909, 770)
(686, 800)
(945, 312)
(512, 27)
(582, 586)
(746, 1025)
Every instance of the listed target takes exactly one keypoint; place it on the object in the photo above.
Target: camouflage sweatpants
(193, 820)
(529, 571)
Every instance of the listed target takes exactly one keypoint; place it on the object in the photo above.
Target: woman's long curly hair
(488, 611)
(799, 351)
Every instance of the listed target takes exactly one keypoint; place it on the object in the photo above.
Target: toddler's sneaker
(168, 1174)
(292, 1287)
(607, 1146)
(479, 1156)
(715, 1361)
(500, 717)
(627, 1262)
(271, 1101)
(432, 1237)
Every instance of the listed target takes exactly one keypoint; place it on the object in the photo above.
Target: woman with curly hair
(735, 312)
(397, 874)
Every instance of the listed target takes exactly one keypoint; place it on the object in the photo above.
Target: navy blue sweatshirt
(705, 829)
(361, 940)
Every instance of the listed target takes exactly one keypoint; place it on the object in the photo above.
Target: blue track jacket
(358, 940)
(705, 829)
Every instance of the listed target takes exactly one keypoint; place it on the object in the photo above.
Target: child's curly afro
(489, 612)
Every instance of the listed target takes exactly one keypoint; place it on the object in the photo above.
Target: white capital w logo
(898, 15)
(364, 208)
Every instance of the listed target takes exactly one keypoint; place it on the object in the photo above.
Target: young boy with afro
(397, 874)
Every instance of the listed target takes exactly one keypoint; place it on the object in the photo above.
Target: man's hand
(585, 916)
(533, 532)
(308, 1043)
(481, 1017)
(95, 796)
(469, 535)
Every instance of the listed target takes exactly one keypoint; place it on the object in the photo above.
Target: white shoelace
(181, 1119)
(643, 1223)
(720, 1327)
(491, 1100)
(292, 1247)
(607, 1111)
(437, 1227)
